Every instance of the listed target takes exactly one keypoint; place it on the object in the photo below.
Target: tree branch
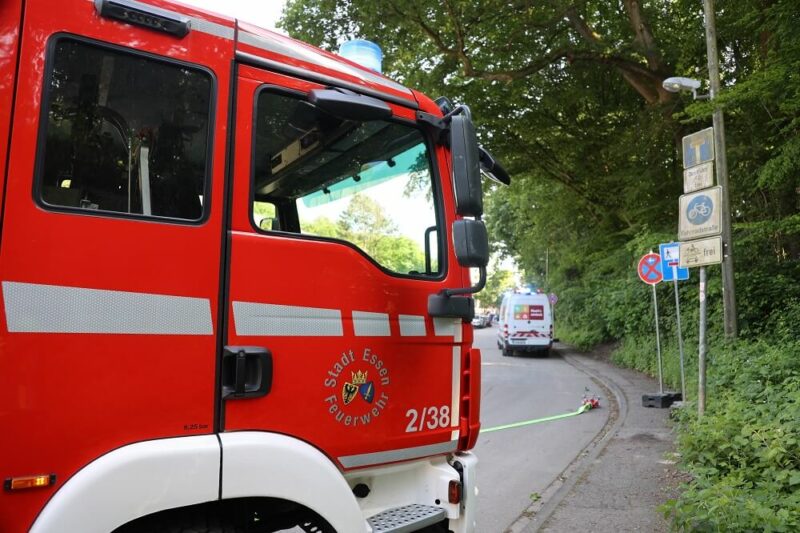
(643, 40)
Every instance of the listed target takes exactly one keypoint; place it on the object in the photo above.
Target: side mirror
(348, 105)
(471, 243)
(466, 166)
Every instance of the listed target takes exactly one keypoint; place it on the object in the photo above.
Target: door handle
(246, 372)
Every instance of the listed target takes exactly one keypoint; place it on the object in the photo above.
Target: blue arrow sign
(670, 259)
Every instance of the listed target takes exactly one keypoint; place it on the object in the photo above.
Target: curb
(536, 515)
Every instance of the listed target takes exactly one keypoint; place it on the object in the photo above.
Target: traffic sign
(649, 269)
(698, 148)
(700, 214)
(670, 262)
(701, 252)
(698, 177)
(552, 298)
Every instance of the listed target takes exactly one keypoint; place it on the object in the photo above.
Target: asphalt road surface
(516, 465)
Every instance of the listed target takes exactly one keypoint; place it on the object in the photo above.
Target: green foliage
(744, 453)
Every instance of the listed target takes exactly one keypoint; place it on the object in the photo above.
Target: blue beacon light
(365, 53)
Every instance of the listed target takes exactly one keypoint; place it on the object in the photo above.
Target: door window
(124, 133)
(369, 184)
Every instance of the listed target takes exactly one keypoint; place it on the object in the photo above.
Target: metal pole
(728, 285)
(680, 334)
(547, 267)
(658, 344)
(701, 380)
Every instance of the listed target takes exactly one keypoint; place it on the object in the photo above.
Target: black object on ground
(660, 400)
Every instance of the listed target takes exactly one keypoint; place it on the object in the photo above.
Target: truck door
(329, 272)
(111, 239)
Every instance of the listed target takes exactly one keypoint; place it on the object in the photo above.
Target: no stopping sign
(649, 269)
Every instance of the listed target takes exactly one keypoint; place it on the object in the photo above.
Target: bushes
(744, 454)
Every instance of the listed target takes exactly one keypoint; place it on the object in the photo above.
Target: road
(516, 465)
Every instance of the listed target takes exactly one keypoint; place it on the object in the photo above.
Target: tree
(323, 227)
(498, 281)
(364, 223)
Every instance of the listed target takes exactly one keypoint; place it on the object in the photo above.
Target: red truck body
(115, 323)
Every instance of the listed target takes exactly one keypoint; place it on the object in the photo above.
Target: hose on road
(585, 406)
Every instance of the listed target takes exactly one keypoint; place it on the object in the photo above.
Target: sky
(264, 13)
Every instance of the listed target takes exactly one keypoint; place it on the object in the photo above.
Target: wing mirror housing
(349, 105)
(466, 165)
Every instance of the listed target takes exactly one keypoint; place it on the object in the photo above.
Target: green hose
(581, 409)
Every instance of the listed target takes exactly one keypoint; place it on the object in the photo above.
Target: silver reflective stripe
(353, 461)
(256, 319)
(34, 308)
(212, 28)
(310, 55)
(371, 324)
(412, 326)
(455, 386)
(447, 327)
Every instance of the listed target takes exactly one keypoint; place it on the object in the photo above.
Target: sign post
(650, 272)
(703, 218)
(670, 255)
(701, 362)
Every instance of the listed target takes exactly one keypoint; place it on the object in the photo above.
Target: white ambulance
(525, 323)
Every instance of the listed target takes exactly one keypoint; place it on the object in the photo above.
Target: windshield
(367, 183)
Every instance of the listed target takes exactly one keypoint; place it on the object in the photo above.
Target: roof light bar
(146, 16)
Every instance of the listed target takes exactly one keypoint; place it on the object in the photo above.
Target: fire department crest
(358, 384)
(360, 388)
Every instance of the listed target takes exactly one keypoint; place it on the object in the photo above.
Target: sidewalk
(624, 475)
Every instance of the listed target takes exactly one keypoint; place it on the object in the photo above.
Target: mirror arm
(442, 124)
(467, 290)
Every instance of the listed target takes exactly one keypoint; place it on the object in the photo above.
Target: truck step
(406, 519)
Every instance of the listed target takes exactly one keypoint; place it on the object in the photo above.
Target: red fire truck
(235, 281)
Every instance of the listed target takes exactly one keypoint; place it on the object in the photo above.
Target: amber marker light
(454, 492)
(29, 482)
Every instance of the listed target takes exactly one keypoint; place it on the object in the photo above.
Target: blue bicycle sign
(699, 214)
(699, 210)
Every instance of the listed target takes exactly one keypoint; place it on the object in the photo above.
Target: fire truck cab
(235, 275)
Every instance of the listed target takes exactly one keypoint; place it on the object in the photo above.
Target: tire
(231, 516)
(507, 352)
(184, 524)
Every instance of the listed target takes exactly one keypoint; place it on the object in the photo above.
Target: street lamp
(678, 84)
